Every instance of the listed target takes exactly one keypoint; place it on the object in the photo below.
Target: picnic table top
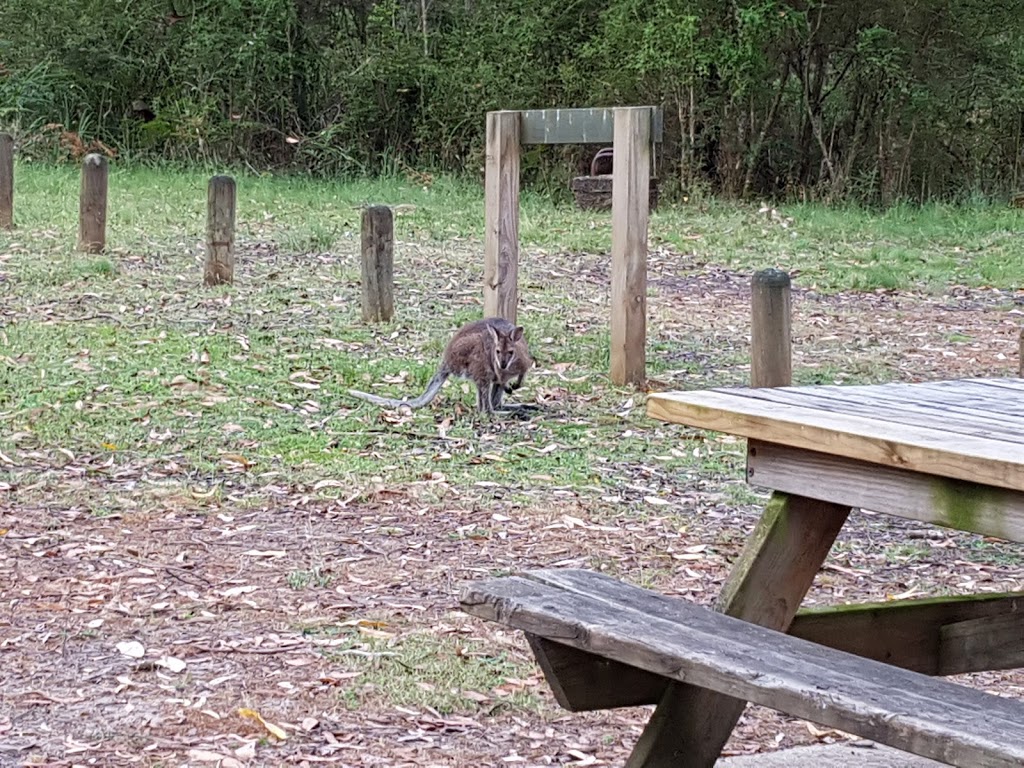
(967, 429)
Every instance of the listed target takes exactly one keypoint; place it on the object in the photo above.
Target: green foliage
(875, 101)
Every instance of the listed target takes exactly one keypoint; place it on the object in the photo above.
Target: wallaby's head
(505, 351)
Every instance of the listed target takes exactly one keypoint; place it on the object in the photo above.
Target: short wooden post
(378, 241)
(501, 216)
(92, 205)
(220, 231)
(771, 354)
(6, 181)
(1020, 354)
(631, 178)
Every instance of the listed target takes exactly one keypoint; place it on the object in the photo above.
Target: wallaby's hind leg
(497, 395)
(484, 398)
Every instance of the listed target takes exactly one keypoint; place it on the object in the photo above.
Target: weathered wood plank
(911, 633)
(501, 216)
(916, 407)
(936, 451)
(926, 716)
(766, 585)
(990, 642)
(905, 633)
(584, 682)
(630, 187)
(578, 126)
(930, 498)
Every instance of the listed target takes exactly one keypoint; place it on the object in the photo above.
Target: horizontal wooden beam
(938, 636)
(991, 642)
(577, 126)
(943, 501)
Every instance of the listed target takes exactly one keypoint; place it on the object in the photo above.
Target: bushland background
(874, 102)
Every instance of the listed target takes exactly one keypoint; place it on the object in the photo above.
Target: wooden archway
(631, 130)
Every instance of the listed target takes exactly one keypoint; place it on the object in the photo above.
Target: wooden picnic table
(948, 452)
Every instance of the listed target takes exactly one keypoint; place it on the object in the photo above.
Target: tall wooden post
(377, 264)
(771, 355)
(92, 205)
(220, 231)
(631, 177)
(6, 181)
(501, 216)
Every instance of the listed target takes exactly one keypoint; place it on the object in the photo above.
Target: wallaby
(492, 353)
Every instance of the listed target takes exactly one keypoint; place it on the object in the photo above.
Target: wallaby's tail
(432, 389)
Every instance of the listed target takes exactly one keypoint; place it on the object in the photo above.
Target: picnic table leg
(767, 584)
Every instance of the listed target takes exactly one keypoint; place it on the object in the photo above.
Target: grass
(124, 354)
(153, 392)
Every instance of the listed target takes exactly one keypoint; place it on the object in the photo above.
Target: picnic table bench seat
(648, 639)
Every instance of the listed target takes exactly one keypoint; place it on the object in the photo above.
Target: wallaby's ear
(517, 333)
(493, 333)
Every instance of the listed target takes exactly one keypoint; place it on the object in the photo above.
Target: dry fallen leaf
(132, 649)
(275, 730)
(172, 663)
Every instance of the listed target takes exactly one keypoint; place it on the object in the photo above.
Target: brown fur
(492, 353)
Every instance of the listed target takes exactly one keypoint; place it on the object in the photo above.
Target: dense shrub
(876, 101)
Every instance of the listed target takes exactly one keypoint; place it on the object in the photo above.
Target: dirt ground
(135, 638)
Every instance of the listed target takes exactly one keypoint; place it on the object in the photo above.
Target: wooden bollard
(92, 205)
(220, 231)
(377, 265)
(1020, 354)
(771, 354)
(6, 181)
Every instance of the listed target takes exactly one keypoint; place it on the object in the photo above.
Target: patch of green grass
(908, 551)
(302, 579)
(126, 359)
(420, 669)
(996, 553)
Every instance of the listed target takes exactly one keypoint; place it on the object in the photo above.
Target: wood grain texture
(919, 406)
(501, 216)
(926, 716)
(766, 585)
(911, 633)
(889, 442)
(989, 642)
(630, 189)
(929, 498)
(377, 264)
(933, 636)
(578, 126)
(220, 231)
(771, 353)
(6, 181)
(583, 681)
(92, 205)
